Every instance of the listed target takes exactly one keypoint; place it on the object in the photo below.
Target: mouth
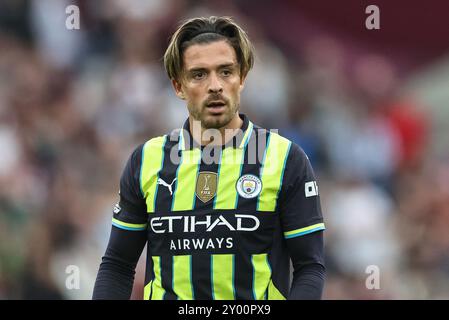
(216, 107)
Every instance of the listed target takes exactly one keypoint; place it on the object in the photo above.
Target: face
(211, 83)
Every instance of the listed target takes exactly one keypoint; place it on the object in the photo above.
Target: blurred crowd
(75, 103)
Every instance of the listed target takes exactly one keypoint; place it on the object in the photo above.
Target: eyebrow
(221, 66)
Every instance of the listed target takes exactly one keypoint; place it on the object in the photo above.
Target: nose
(215, 85)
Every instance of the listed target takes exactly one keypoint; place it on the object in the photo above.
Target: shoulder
(297, 154)
(293, 151)
(156, 141)
(158, 144)
(296, 161)
(272, 135)
(143, 150)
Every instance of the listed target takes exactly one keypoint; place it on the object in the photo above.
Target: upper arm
(131, 214)
(300, 211)
(299, 201)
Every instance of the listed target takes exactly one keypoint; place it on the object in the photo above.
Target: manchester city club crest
(249, 186)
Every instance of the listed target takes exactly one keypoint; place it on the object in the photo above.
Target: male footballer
(223, 205)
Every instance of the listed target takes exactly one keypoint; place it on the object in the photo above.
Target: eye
(226, 72)
(198, 75)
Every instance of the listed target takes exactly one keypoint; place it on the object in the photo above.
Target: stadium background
(370, 107)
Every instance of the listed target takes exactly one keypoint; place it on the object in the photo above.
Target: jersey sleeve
(130, 212)
(299, 200)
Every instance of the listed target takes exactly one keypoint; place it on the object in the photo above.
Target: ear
(178, 89)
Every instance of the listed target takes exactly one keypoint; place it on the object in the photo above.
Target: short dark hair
(206, 30)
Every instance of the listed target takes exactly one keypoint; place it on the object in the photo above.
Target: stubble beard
(214, 122)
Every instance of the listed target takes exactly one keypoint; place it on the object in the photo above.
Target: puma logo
(165, 184)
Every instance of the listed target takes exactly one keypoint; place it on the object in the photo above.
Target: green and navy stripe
(303, 231)
(128, 226)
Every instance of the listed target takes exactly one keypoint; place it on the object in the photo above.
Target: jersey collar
(186, 141)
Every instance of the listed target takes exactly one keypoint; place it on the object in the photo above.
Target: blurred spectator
(57, 45)
(362, 235)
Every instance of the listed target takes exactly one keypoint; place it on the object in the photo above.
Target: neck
(219, 136)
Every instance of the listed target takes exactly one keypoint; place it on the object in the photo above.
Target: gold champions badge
(206, 186)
